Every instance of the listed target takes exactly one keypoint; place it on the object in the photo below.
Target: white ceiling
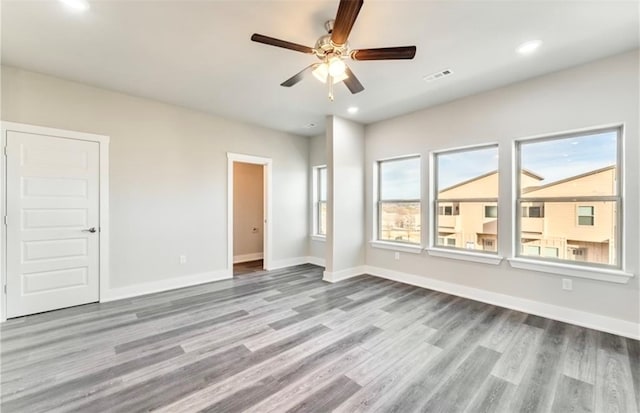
(198, 54)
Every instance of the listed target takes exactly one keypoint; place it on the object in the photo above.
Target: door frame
(103, 142)
(267, 231)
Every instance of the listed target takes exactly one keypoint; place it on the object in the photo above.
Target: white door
(52, 223)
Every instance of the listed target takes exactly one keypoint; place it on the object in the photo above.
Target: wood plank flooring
(285, 341)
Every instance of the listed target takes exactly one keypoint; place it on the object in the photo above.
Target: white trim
(396, 246)
(289, 262)
(248, 257)
(465, 255)
(319, 238)
(576, 131)
(564, 314)
(593, 273)
(336, 276)
(268, 230)
(315, 199)
(103, 147)
(464, 148)
(165, 285)
(321, 262)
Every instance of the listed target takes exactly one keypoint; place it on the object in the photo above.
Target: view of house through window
(321, 200)
(399, 200)
(467, 199)
(569, 198)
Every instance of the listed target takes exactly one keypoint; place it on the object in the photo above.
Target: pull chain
(330, 82)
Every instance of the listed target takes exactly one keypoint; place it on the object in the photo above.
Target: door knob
(92, 229)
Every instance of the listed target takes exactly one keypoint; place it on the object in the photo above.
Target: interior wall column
(345, 199)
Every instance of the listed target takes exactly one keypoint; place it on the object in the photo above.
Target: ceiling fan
(333, 48)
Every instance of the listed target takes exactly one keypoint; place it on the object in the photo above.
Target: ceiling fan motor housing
(324, 47)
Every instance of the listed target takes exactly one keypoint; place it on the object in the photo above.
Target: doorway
(54, 186)
(249, 193)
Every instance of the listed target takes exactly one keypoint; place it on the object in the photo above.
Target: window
(569, 198)
(399, 200)
(466, 200)
(491, 211)
(453, 209)
(531, 249)
(585, 215)
(533, 210)
(320, 195)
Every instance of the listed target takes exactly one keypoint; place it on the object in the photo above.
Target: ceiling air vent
(438, 75)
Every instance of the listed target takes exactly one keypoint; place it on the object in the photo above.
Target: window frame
(592, 215)
(618, 199)
(379, 202)
(317, 201)
(434, 205)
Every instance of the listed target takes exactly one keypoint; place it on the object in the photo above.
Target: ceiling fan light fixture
(322, 72)
(336, 67)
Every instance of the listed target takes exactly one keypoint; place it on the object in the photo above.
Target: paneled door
(52, 222)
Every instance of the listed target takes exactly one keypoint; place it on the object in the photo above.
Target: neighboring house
(566, 229)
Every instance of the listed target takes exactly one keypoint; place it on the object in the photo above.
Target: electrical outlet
(183, 259)
(397, 256)
(567, 284)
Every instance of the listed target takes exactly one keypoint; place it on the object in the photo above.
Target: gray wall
(600, 93)
(168, 187)
(248, 209)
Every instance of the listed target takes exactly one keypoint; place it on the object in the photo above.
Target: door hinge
(5, 220)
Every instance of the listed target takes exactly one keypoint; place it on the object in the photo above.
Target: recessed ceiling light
(528, 47)
(352, 110)
(76, 5)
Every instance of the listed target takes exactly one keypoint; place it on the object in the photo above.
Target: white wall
(168, 173)
(345, 198)
(600, 93)
(248, 211)
(317, 157)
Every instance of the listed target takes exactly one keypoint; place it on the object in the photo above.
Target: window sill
(321, 238)
(601, 274)
(386, 245)
(465, 256)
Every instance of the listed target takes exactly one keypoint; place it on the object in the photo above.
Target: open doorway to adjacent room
(249, 206)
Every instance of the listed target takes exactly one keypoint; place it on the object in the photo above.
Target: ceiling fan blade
(345, 18)
(272, 41)
(298, 76)
(384, 53)
(352, 82)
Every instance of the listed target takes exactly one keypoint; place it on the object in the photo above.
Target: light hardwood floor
(285, 341)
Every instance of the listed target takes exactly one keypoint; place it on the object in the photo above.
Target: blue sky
(553, 160)
(559, 159)
(457, 167)
(400, 179)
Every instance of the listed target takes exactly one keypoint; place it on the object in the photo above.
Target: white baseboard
(248, 257)
(288, 262)
(336, 276)
(316, 261)
(554, 312)
(163, 285)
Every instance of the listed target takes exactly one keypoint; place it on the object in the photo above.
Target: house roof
(571, 178)
(524, 171)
